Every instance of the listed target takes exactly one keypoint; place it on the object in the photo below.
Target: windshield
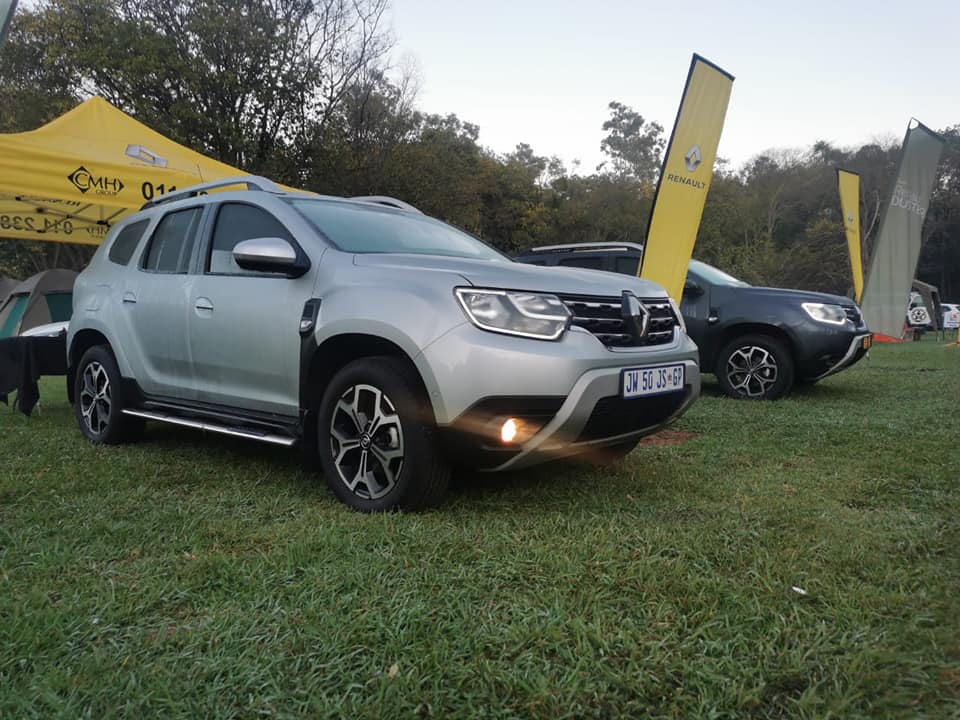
(715, 277)
(356, 228)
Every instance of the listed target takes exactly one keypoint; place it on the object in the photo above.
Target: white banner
(951, 318)
(894, 262)
(7, 8)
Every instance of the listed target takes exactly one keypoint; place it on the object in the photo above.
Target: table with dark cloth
(23, 360)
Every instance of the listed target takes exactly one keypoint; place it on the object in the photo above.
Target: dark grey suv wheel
(376, 440)
(755, 367)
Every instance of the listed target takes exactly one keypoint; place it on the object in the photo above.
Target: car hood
(509, 275)
(800, 296)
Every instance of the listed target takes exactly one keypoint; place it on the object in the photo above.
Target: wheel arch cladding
(320, 363)
(741, 329)
(82, 341)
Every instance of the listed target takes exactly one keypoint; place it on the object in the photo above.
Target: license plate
(867, 342)
(641, 382)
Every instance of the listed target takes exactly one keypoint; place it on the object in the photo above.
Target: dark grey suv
(758, 341)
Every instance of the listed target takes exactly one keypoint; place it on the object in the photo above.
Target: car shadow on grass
(710, 388)
(222, 456)
(832, 391)
(564, 483)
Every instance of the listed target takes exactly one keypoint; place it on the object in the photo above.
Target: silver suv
(387, 344)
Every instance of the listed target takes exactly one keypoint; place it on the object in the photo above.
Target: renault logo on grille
(635, 315)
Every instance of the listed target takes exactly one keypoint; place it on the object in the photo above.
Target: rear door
(244, 326)
(154, 302)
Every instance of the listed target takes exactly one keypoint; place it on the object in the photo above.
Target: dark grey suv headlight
(527, 314)
(822, 312)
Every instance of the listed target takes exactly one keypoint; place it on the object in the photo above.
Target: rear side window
(126, 242)
(591, 262)
(626, 265)
(172, 242)
(237, 222)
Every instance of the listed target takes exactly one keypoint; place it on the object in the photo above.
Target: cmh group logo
(85, 181)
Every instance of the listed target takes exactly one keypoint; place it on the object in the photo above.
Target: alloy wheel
(752, 371)
(366, 441)
(95, 398)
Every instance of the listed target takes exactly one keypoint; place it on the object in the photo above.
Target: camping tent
(71, 179)
(44, 298)
(6, 287)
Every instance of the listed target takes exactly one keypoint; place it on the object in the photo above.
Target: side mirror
(692, 289)
(271, 255)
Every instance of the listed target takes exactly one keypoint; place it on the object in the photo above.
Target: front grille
(853, 314)
(606, 318)
(613, 415)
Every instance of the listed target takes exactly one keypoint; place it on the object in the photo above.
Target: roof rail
(252, 182)
(389, 202)
(574, 247)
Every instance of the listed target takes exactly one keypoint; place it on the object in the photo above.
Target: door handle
(129, 298)
(203, 303)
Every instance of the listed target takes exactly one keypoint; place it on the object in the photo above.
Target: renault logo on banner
(693, 158)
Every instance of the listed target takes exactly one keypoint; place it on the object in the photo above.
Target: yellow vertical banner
(685, 177)
(849, 184)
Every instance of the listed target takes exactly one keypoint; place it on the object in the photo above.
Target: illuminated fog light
(508, 431)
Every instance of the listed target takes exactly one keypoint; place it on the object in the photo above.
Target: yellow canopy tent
(69, 180)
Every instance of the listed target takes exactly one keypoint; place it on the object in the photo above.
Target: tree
(635, 146)
(37, 83)
(242, 81)
(940, 256)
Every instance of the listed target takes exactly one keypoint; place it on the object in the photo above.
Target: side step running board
(213, 427)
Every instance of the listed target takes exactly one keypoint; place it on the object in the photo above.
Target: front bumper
(858, 347)
(570, 388)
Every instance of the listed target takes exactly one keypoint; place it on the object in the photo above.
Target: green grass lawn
(197, 576)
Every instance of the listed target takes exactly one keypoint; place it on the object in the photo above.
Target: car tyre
(755, 367)
(377, 439)
(99, 401)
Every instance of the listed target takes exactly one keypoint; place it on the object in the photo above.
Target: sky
(543, 73)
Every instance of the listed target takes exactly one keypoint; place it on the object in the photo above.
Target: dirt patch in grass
(669, 437)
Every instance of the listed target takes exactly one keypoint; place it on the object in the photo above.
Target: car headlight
(821, 312)
(532, 315)
(676, 311)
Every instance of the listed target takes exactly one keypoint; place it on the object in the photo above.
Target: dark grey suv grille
(606, 318)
